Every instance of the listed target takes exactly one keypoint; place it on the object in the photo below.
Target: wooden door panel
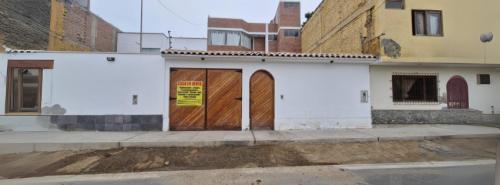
(458, 93)
(262, 101)
(224, 99)
(186, 118)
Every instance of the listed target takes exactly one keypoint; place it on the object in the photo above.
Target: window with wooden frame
(427, 23)
(395, 4)
(483, 79)
(24, 86)
(415, 88)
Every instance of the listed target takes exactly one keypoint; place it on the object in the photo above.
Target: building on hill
(55, 25)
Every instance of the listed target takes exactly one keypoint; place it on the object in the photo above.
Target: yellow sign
(190, 93)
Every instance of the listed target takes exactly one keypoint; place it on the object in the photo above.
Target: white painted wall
(87, 84)
(316, 96)
(481, 97)
(130, 42)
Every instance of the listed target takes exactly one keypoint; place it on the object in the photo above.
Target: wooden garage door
(184, 118)
(221, 107)
(262, 101)
(224, 99)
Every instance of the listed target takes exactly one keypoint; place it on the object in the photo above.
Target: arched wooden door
(262, 101)
(458, 93)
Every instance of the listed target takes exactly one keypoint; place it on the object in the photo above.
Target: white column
(166, 94)
(267, 38)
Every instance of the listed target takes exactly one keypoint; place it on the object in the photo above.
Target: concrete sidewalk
(21, 142)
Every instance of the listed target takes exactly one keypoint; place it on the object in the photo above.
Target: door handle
(171, 98)
(240, 98)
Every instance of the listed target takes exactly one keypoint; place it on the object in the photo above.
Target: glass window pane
(14, 94)
(431, 89)
(409, 88)
(217, 38)
(434, 23)
(291, 33)
(30, 85)
(399, 4)
(419, 23)
(151, 50)
(291, 4)
(233, 38)
(246, 41)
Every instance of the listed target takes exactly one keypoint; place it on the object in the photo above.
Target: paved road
(457, 175)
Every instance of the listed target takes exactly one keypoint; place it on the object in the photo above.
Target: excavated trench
(168, 159)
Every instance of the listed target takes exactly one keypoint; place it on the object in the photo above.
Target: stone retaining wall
(446, 116)
(109, 123)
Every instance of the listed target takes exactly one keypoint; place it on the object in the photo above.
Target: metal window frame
(480, 78)
(411, 102)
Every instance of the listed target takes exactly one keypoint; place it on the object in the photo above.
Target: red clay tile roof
(270, 54)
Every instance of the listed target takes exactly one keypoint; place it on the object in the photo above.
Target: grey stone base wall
(108, 123)
(446, 116)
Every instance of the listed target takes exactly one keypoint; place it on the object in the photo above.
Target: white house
(434, 93)
(129, 42)
(183, 90)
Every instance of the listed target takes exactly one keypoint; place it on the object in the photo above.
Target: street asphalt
(482, 174)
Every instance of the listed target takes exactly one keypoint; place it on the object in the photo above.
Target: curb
(431, 164)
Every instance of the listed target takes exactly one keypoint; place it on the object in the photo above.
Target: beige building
(433, 67)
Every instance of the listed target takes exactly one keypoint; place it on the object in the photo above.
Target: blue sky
(186, 18)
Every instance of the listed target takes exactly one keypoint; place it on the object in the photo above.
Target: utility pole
(169, 40)
(140, 42)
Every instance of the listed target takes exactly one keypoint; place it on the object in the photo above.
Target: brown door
(262, 101)
(458, 93)
(224, 99)
(186, 117)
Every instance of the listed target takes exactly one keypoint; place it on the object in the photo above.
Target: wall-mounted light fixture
(486, 37)
(202, 58)
(110, 59)
(332, 61)
(263, 60)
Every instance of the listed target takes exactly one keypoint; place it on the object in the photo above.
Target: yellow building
(433, 63)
